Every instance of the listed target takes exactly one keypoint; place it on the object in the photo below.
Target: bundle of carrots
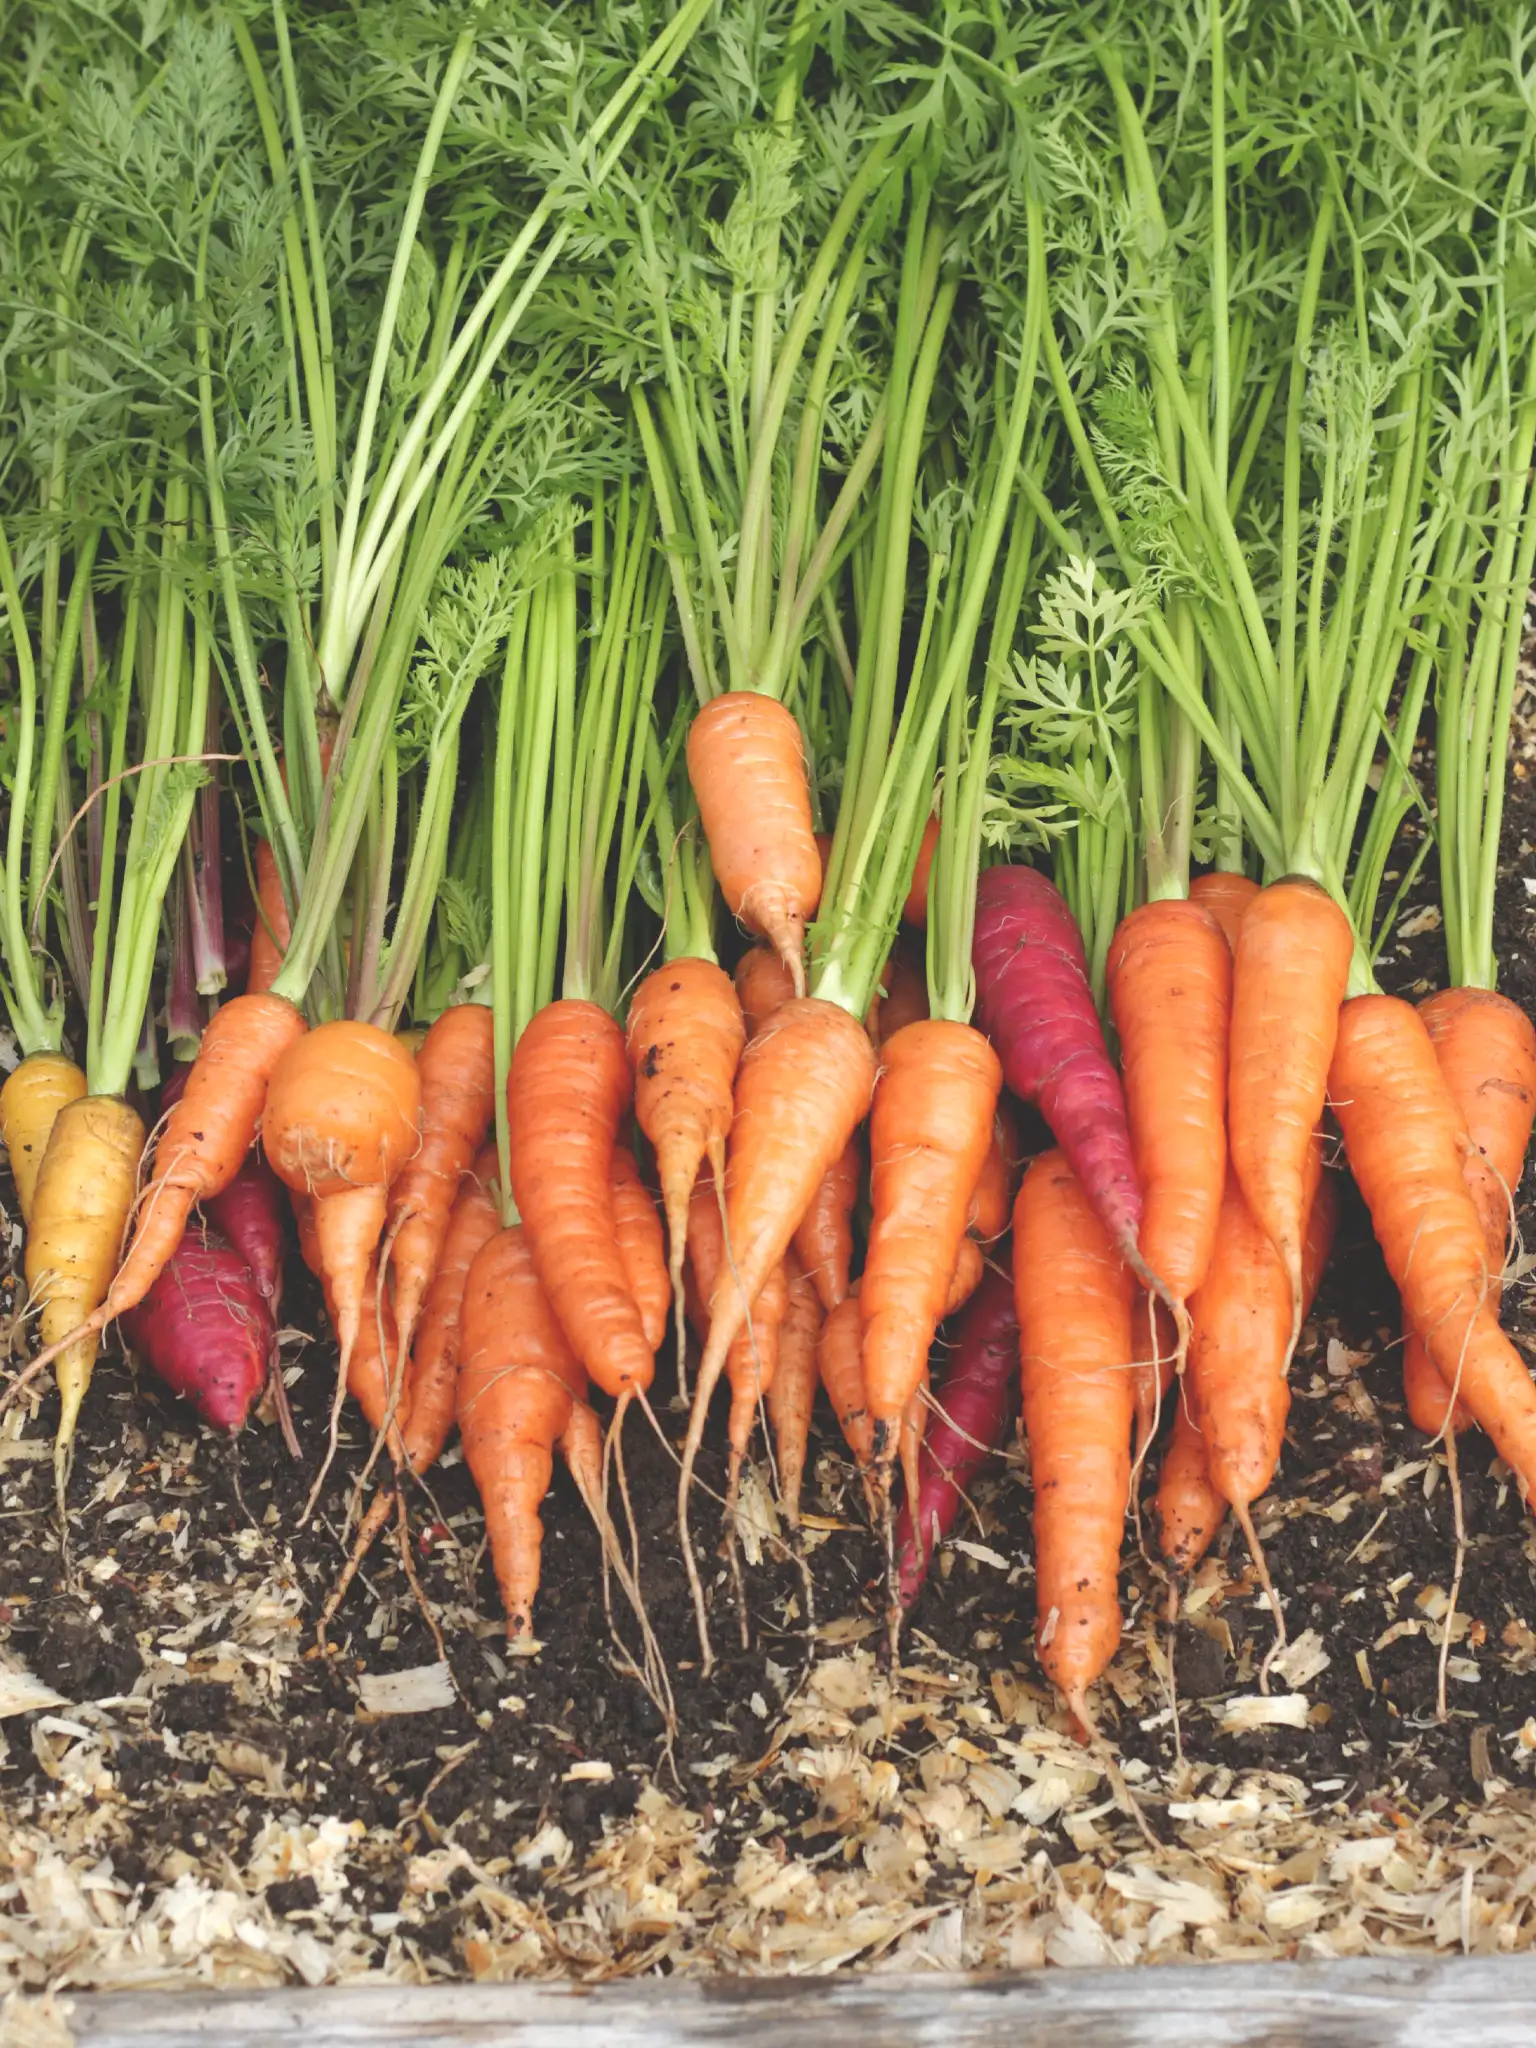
(1004, 560)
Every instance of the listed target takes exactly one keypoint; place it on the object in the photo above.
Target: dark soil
(1350, 1545)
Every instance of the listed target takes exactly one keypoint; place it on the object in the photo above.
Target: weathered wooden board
(1379, 2003)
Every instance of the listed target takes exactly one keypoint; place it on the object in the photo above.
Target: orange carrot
(518, 1379)
(1190, 1511)
(929, 1133)
(824, 1234)
(642, 1250)
(1226, 897)
(992, 1203)
(1291, 968)
(915, 909)
(905, 981)
(432, 1376)
(1170, 992)
(456, 1070)
(751, 1367)
(747, 767)
(1151, 1324)
(684, 1039)
(271, 932)
(763, 984)
(792, 1395)
(373, 1364)
(1406, 1142)
(840, 1363)
(970, 1264)
(1073, 1294)
(568, 1087)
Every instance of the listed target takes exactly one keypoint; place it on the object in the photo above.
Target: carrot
(1170, 993)
(747, 767)
(304, 1216)
(763, 984)
(1290, 970)
(205, 1329)
(249, 1214)
(992, 1202)
(684, 1038)
(518, 1379)
(642, 1249)
(342, 1117)
(205, 1140)
(1226, 897)
(752, 1358)
(1190, 1511)
(930, 1131)
(1406, 1142)
(1073, 1295)
(1240, 1350)
(432, 1375)
(915, 910)
(1486, 1050)
(970, 1264)
(456, 1070)
(792, 1395)
(272, 930)
(80, 1208)
(824, 1234)
(1034, 1001)
(1152, 1327)
(43, 1084)
(568, 1087)
(840, 1363)
(905, 981)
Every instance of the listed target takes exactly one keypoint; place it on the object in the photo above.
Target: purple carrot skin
(205, 1329)
(1034, 1001)
(252, 1213)
(965, 1425)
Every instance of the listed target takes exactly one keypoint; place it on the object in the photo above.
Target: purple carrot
(206, 1331)
(252, 1213)
(973, 1403)
(1034, 1001)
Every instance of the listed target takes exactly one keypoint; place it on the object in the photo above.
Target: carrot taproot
(991, 1207)
(42, 1085)
(763, 984)
(342, 1117)
(930, 1130)
(642, 1248)
(915, 910)
(455, 1067)
(905, 982)
(1226, 897)
(205, 1328)
(970, 1264)
(1169, 974)
(1406, 1142)
(746, 764)
(518, 1379)
(1190, 1510)
(751, 1367)
(1289, 974)
(249, 1214)
(840, 1365)
(568, 1087)
(824, 1235)
(792, 1394)
(374, 1370)
(684, 1038)
(1034, 1001)
(432, 1374)
(1073, 1295)
(272, 930)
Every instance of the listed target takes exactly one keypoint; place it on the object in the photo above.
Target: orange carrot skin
(456, 1070)
(1486, 1049)
(343, 1110)
(1242, 1332)
(207, 1134)
(1190, 1511)
(1073, 1294)
(992, 1203)
(915, 910)
(271, 932)
(1227, 898)
(747, 767)
(970, 1264)
(751, 1364)
(792, 1395)
(1289, 976)
(374, 1358)
(929, 1134)
(568, 1087)
(905, 982)
(1170, 992)
(432, 1378)
(518, 1378)
(684, 1038)
(840, 1364)
(642, 1249)
(803, 1088)
(1406, 1141)
(824, 1235)
(763, 984)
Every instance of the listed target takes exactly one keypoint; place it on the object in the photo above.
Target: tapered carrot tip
(746, 764)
